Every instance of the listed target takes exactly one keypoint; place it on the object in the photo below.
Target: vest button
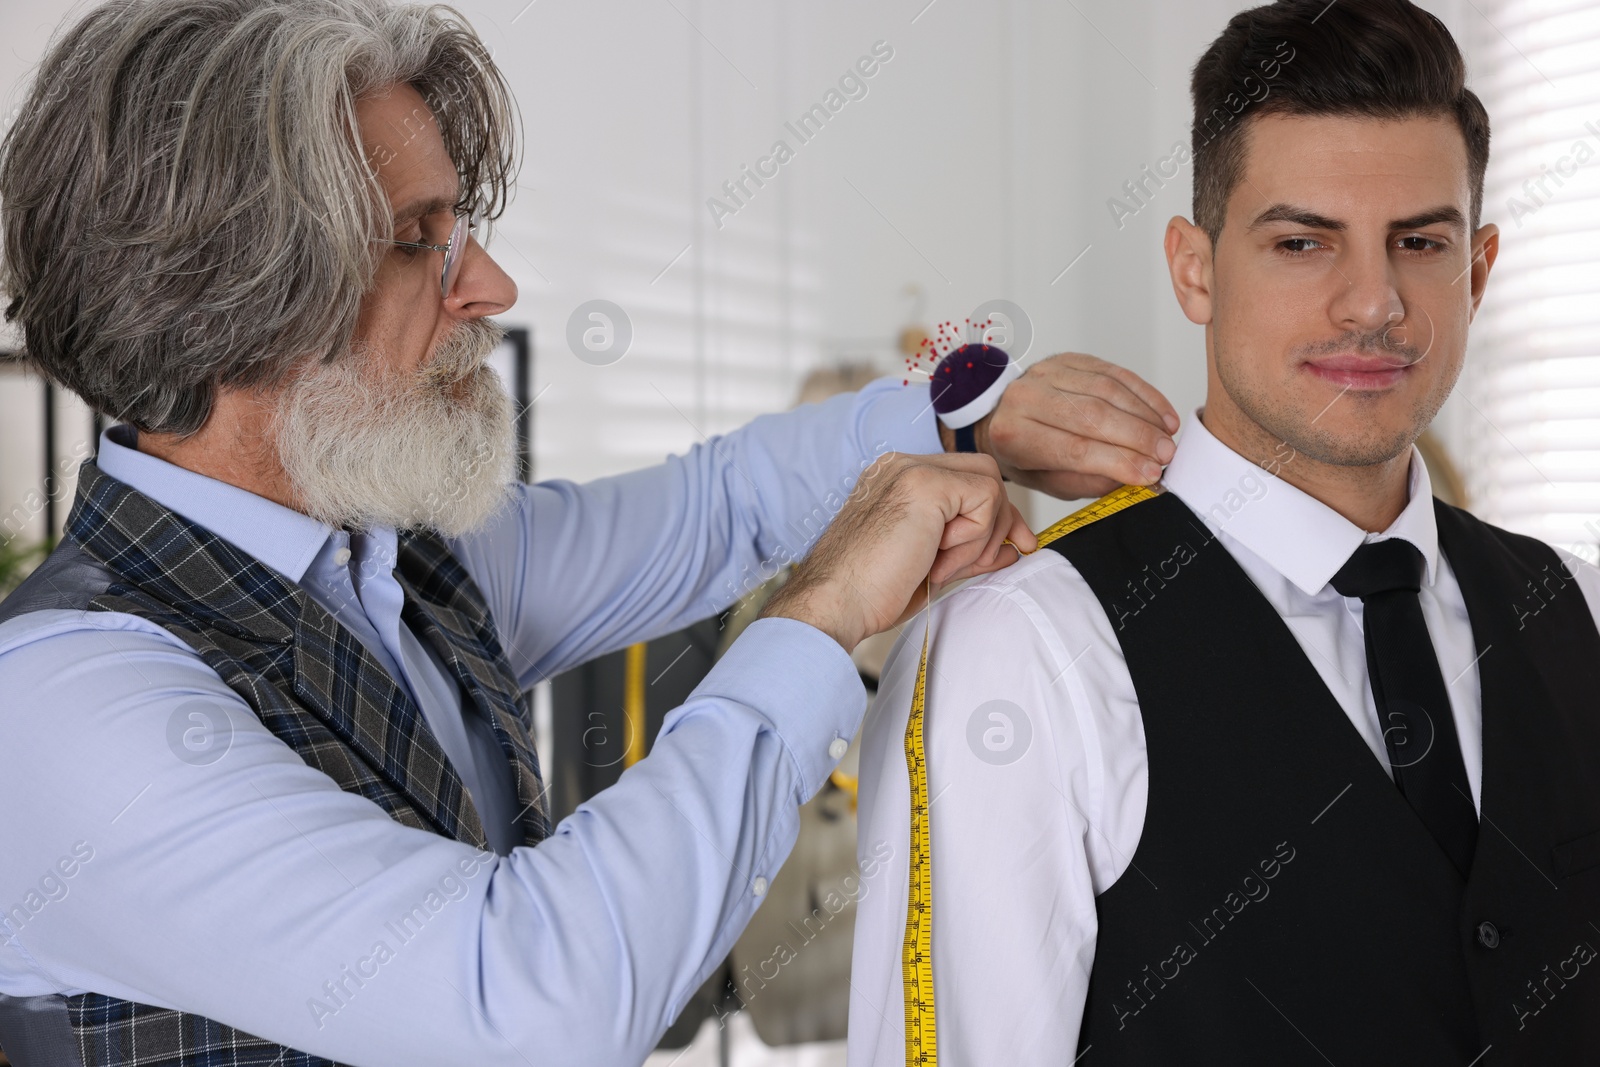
(1488, 935)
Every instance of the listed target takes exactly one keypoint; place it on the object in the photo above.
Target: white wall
(978, 165)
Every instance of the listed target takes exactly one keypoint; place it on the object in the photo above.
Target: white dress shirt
(1037, 811)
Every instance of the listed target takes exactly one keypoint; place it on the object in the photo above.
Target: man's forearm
(579, 570)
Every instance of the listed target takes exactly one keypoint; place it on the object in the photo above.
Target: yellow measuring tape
(916, 955)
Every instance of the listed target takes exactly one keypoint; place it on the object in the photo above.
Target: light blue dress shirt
(254, 891)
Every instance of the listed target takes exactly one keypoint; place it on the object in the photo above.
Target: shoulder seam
(1105, 507)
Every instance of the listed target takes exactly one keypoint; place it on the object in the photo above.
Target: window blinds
(1532, 433)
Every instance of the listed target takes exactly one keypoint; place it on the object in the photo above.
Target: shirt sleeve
(219, 874)
(1036, 794)
(574, 571)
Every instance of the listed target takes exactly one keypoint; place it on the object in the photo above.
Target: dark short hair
(1385, 59)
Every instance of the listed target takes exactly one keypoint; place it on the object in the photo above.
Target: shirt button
(342, 556)
(838, 747)
(760, 887)
(1488, 935)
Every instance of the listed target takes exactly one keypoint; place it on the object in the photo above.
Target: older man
(264, 709)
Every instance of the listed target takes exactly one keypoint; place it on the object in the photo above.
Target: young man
(271, 791)
(1287, 762)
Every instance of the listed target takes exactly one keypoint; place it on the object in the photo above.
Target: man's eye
(1415, 243)
(1299, 246)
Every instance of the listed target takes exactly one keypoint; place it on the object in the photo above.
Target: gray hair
(184, 199)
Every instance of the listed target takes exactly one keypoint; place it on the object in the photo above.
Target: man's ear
(1485, 247)
(1189, 261)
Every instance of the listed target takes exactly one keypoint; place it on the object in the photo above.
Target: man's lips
(1360, 373)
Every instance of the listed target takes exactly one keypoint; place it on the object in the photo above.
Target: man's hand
(909, 517)
(1075, 426)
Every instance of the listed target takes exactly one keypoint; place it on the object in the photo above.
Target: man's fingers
(1010, 541)
(1074, 423)
(1080, 373)
(1052, 429)
(996, 544)
(1112, 421)
(1009, 533)
(1113, 390)
(1067, 485)
(1021, 534)
(971, 509)
(1149, 394)
(911, 519)
(976, 541)
(1087, 454)
(978, 525)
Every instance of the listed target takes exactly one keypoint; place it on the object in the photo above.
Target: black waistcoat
(1284, 904)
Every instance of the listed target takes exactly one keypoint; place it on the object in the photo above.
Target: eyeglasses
(453, 249)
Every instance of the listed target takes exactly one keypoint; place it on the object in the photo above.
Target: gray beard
(433, 449)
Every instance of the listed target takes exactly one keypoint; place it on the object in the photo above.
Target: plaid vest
(310, 681)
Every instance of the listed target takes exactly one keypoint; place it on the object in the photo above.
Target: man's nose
(1369, 297)
(482, 288)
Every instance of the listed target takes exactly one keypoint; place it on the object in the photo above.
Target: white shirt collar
(1297, 535)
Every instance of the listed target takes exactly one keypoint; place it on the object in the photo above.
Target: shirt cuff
(801, 681)
(904, 418)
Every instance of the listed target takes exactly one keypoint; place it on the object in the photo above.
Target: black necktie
(1413, 702)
